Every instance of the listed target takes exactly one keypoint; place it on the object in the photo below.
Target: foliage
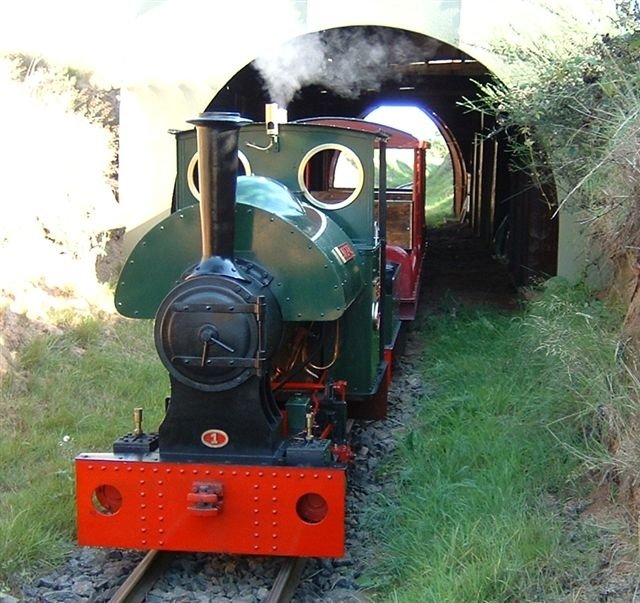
(476, 497)
(399, 168)
(571, 111)
(74, 88)
(58, 196)
(61, 358)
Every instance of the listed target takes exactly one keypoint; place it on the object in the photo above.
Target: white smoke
(346, 61)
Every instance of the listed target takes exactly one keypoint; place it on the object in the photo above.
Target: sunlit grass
(478, 483)
(72, 392)
(440, 212)
(439, 192)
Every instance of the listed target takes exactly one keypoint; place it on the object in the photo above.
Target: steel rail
(143, 577)
(287, 580)
(141, 580)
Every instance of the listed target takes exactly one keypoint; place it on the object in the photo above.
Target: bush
(58, 199)
(572, 110)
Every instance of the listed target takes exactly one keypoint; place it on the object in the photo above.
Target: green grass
(473, 508)
(73, 392)
(439, 192)
(479, 481)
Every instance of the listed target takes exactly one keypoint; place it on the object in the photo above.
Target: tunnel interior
(499, 206)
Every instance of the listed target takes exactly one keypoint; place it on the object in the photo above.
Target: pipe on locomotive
(217, 136)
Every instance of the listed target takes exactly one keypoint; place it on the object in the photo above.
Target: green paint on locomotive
(282, 163)
(294, 243)
(361, 352)
(292, 237)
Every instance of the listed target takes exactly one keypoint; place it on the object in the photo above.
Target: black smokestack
(217, 135)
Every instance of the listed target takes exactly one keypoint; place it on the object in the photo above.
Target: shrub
(572, 109)
(58, 192)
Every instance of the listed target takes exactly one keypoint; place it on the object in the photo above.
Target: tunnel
(502, 207)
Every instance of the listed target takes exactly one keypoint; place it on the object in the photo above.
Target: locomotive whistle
(137, 422)
(309, 417)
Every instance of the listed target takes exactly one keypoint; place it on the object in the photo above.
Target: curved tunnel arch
(457, 163)
(437, 77)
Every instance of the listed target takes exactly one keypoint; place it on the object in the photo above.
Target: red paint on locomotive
(263, 510)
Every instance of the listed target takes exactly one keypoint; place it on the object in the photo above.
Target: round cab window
(331, 176)
(193, 182)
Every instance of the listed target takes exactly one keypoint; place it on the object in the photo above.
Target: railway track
(153, 565)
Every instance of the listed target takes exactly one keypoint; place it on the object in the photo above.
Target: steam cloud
(345, 61)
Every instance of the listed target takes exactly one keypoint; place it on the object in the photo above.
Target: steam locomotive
(278, 284)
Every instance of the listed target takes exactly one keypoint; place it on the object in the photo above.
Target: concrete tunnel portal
(389, 66)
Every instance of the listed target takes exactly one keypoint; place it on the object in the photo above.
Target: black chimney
(217, 135)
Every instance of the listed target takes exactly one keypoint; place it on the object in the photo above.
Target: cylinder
(217, 135)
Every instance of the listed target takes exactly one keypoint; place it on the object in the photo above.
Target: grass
(474, 505)
(475, 510)
(439, 192)
(73, 392)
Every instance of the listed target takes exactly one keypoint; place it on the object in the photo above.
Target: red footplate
(260, 510)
